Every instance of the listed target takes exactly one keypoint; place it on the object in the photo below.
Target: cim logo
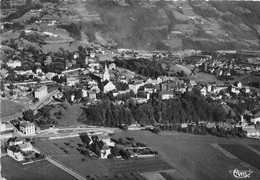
(241, 173)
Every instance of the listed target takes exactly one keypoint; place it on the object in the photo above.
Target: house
(92, 95)
(153, 81)
(15, 153)
(256, 118)
(238, 84)
(100, 148)
(27, 128)
(233, 89)
(203, 91)
(216, 89)
(149, 88)
(122, 79)
(38, 71)
(71, 81)
(112, 66)
(15, 141)
(92, 55)
(94, 66)
(193, 83)
(135, 85)
(50, 75)
(169, 85)
(108, 86)
(14, 64)
(166, 94)
(76, 55)
(27, 146)
(105, 138)
(84, 93)
(7, 130)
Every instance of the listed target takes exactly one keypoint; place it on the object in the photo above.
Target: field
(69, 155)
(240, 151)
(65, 151)
(69, 115)
(9, 107)
(256, 146)
(136, 165)
(192, 156)
(37, 171)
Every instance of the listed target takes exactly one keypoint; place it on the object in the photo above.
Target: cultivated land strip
(252, 149)
(225, 152)
(243, 163)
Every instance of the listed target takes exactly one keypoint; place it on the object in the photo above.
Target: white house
(26, 146)
(14, 64)
(84, 93)
(203, 91)
(106, 139)
(15, 153)
(71, 81)
(256, 118)
(41, 92)
(27, 127)
(112, 66)
(135, 85)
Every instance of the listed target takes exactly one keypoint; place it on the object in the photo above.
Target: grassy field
(69, 115)
(65, 150)
(191, 155)
(243, 153)
(12, 170)
(9, 107)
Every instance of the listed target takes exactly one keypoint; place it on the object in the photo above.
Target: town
(91, 110)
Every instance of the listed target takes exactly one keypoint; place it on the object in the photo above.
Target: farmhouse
(135, 85)
(15, 153)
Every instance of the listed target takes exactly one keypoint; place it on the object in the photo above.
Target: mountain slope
(166, 25)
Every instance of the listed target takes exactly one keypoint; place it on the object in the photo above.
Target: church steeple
(106, 75)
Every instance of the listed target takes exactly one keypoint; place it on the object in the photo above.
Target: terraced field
(136, 165)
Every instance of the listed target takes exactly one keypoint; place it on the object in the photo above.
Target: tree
(28, 115)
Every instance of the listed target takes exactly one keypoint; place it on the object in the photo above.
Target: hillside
(176, 25)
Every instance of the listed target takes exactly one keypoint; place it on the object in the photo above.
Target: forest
(189, 107)
(144, 67)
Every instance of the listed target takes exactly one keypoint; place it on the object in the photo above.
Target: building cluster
(22, 151)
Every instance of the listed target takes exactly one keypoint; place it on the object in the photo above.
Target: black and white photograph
(130, 89)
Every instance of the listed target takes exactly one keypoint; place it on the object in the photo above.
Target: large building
(41, 92)
(27, 127)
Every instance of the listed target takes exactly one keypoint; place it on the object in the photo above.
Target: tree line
(145, 67)
(185, 108)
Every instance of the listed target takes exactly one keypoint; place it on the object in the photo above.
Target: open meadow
(9, 107)
(43, 170)
(66, 151)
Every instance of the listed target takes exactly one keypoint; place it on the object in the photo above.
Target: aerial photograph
(130, 90)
